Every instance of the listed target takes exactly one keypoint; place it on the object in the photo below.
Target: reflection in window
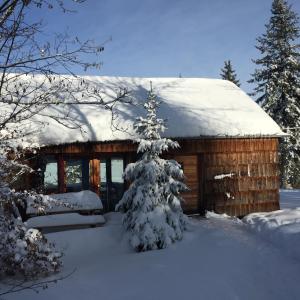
(103, 184)
(50, 174)
(74, 175)
(103, 171)
(117, 170)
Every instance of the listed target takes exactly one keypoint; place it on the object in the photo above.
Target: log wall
(228, 175)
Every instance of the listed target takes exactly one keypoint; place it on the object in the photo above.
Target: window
(103, 172)
(50, 175)
(111, 182)
(117, 170)
(74, 175)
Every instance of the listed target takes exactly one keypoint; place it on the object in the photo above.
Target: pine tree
(277, 80)
(228, 73)
(152, 204)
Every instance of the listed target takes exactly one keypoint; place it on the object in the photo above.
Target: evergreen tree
(228, 73)
(152, 204)
(277, 81)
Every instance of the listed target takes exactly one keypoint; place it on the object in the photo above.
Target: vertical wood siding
(190, 167)
(253, 184)
(252, 162)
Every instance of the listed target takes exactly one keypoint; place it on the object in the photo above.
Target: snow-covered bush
(152, 204)
(23, 251)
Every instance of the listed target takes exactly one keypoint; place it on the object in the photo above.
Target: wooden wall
(252, 162)
(254, 181)
(189, 164)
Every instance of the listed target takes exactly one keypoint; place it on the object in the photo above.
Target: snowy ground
(281, 227)
(219, 258)
(289, 199)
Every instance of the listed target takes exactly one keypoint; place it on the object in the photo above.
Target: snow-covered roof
(193, 107)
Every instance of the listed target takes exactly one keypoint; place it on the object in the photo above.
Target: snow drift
(281, 227)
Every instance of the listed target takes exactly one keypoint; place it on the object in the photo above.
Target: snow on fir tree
(228, 73)
(152, 204)
(277, 80)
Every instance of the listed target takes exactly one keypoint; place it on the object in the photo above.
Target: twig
(33, 286)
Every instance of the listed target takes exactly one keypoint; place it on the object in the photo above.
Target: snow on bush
(152, 204)
(281, 227)
(23, 251)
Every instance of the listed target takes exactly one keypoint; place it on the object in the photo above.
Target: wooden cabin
(228, 146)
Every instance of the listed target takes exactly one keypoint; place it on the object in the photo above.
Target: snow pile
(70, 219)
(213, 215)
(84, 200)
(194, 107)
(281, 227)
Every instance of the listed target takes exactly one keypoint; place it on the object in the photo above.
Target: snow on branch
(152, 205)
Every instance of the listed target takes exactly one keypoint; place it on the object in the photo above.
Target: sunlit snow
(193, 107)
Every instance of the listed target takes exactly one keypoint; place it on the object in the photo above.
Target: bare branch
(36, 286)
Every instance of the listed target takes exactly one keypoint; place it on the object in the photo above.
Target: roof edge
(174, 138)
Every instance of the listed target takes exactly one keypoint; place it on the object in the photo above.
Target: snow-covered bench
(81, 209)
(58, 222)
(84, 202)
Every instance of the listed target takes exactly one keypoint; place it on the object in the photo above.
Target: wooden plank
(95, 175)
(253, 161)
(188, 146)
(61, 174)
(190, 168)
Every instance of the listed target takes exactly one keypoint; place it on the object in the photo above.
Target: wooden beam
(201, 173)
(95, 175)
(61, 174)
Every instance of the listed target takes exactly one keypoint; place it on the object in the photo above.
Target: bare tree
(31, 72)
(36, 78)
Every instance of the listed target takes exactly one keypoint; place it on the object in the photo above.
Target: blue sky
(152, 38)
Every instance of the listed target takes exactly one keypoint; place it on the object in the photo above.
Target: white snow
(222, 176)
(194, 107)
(63, 220)
(152, 212)
(218, 258)
(289, 198)
(281, 227)
(84, 200)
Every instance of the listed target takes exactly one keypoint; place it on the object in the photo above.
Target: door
(111, 182)
(190, 167)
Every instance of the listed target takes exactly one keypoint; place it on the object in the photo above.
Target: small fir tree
(228, 73)
(152, 205)
(277, 81)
